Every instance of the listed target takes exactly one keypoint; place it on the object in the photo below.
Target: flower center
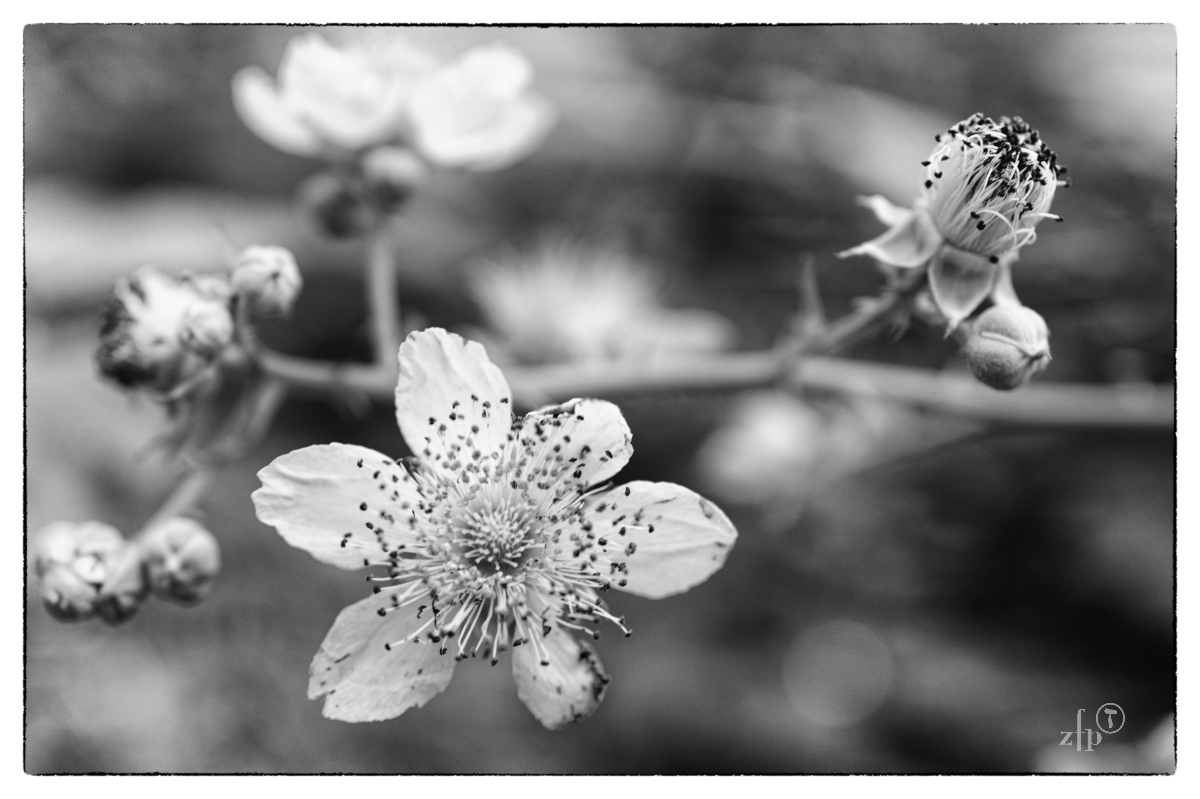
(496, 534)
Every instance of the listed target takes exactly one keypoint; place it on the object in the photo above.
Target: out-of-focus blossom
(474, 112)
(87, 569)
(159, 332)
(1007, 345)
(837, 673)
(500, 533)
(477, 112)
(569, 302)
(330, 99)
(182, 560)
(776, 450)
(987, 186)
(267, 278)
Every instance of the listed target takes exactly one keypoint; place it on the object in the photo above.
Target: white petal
(568, 685)
(450, 400)
(573, 446)
(885, 210)
(499, 69)
(517, 129)
(690, 540)
(909, 243)
(959, 282)
(315, 496)
(361, 679)
(262, 110)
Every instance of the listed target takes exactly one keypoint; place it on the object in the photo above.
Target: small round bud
(268, 278)
(182, 559)
(86, 569)
(125, 587)
(334, 201)
(391, 175)
(1007, 345)
(207, 327)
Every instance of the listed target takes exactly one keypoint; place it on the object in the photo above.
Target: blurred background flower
(985, 588)
(569, 301)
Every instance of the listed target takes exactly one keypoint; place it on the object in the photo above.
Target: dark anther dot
(362, 506)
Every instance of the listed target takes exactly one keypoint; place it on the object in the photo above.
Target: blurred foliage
(982, 590)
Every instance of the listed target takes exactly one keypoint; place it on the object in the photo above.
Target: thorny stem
(1035, 405)
(381, 294)
(803, 365)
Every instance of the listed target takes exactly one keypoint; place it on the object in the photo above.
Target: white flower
(158, 332)
(567, 302)
(475, 112)
(268, 278)
(987, 186)
(497, 534)
(478, 113)
(331, 99)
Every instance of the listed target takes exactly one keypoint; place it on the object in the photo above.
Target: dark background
(947, 609)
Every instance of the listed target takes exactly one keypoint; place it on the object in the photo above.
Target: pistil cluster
(989, 183)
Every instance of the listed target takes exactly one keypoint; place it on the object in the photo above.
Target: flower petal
(518, 129)
(570, 447)
(450, 398)
(910, 242)
(959, 281)
(260, 107)
(674, 539)
(344, 505)
(885, 211)
(559, 678)
(361, 678)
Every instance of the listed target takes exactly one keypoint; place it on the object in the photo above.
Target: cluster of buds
(90, 569)
(384, 111)
(987, 186)
(169, 337)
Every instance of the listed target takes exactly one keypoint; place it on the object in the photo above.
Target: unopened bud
(207, 327)
(142, 332)
(182, 559)
(333, 199)
(391, 175)
(1007, 345)
(86, 569)
(268, 278)
(125, 587)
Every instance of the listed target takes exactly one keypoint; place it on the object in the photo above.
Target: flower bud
(182, 558)
(1007, 345)
(391, 175)
(125, 587)
(86, 569)
(988, 184)
(207, 327)
(142, 332)
(332, 198)
(268, 278)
